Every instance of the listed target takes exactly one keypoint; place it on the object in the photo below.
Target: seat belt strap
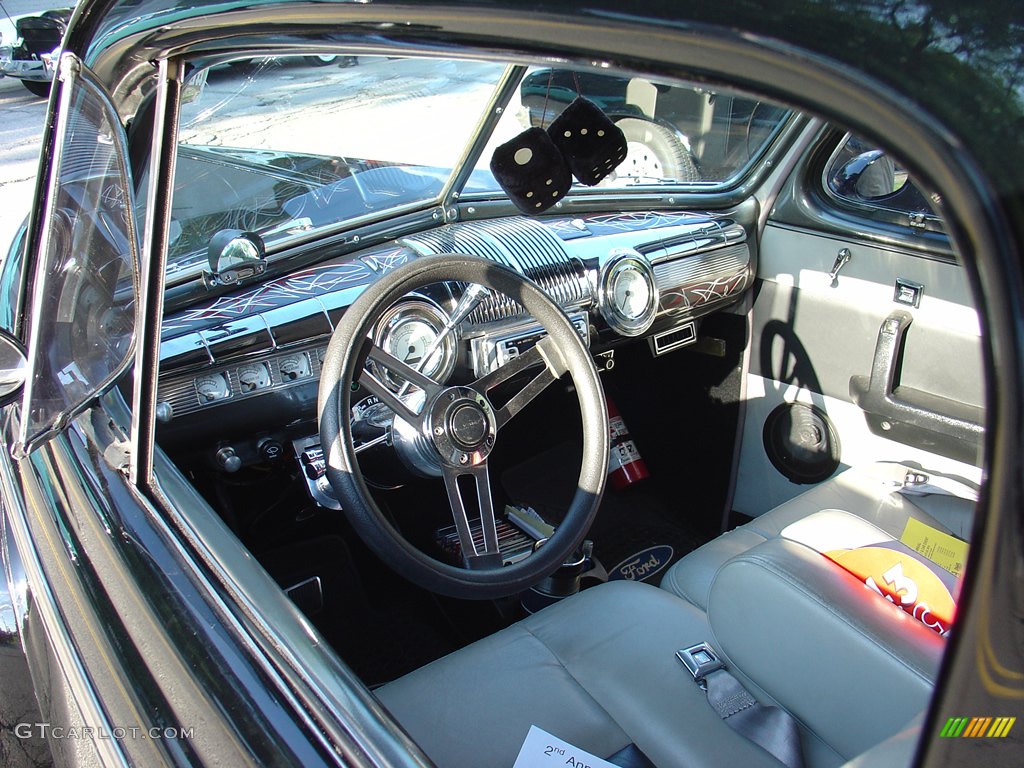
(771, 728)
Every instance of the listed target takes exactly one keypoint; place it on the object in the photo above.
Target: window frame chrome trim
(150, 296)
(71, 73)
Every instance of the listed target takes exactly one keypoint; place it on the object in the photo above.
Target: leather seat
(599, 669)
(878, 494)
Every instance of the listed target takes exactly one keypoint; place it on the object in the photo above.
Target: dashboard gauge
(631, 293)
(295, 367)
(410, 340)
(254, 376)
(213, 387)
(628, 297)
(409, 332)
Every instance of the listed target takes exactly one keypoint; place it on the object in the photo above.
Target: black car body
(833, 283)
(33, 59)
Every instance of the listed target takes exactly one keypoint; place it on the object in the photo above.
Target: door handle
(909, 415)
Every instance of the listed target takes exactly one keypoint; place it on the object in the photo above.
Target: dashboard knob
(228, 460)
(164, 412)
(270, 449)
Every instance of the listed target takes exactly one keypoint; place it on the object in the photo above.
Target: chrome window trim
(328, 698)
(73, 72)
(344, 703)
(489, 119)
(150, 295)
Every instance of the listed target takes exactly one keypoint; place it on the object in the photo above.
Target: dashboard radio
(491, 351)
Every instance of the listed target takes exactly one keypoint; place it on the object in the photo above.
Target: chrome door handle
(842, 259)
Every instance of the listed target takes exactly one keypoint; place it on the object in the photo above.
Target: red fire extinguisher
(625, 464)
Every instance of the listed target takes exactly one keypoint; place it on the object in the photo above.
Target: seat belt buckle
(700, 661)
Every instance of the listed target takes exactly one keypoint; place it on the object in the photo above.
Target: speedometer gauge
(629, 294)
(409, 342)
(409, 332)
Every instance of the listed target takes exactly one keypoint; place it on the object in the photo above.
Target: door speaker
(801, 443)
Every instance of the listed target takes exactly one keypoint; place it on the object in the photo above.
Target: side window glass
(863, 176)
(83, 294)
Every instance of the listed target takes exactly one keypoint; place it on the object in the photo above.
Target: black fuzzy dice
(532, 171)
(591, 144)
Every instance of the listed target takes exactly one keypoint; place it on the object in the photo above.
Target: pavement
(21, 124)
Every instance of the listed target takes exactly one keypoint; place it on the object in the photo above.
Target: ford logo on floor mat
(643, 565)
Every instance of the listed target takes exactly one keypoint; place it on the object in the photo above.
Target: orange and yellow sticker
(903, 581)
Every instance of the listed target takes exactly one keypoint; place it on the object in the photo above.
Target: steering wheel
(456, 428)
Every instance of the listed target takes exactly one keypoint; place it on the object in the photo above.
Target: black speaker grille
(801, 443)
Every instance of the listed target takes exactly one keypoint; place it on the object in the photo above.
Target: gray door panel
(810, 335)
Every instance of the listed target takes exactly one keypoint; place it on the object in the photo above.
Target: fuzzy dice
(532, 171)
(592, 145)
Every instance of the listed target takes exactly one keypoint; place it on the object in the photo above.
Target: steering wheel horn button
(461, 425)
(468, 425)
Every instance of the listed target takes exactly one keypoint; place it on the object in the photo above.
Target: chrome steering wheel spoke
(544, 353)
(478, 552)
(402, 370)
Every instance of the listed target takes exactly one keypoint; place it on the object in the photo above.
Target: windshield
(287, 146)
(283, 146)
(675, 134)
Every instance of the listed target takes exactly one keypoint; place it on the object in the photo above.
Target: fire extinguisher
(625, 464)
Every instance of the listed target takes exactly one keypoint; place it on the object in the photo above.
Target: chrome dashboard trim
(618, 261)
(716, 277)
(179, 391)
(524, 245)
(699, 263)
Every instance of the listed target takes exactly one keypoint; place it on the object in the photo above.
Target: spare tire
(654, 152)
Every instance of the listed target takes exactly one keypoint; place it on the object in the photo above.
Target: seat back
(849, 665)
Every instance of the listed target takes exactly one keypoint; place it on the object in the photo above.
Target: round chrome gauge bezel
(615, 314)
(415, 310)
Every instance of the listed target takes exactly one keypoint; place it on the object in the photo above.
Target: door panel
(811, 335)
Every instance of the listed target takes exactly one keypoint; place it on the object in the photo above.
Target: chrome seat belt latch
(700, 661)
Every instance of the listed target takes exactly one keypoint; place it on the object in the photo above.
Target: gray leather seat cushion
(871, 492)
(598, 670)
(851, 667)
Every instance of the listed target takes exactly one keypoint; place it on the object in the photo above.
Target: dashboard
(240, 372)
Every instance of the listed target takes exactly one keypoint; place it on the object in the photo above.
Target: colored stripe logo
(977, 727)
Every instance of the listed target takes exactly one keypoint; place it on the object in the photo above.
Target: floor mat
(379, 639)
(636, 535)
